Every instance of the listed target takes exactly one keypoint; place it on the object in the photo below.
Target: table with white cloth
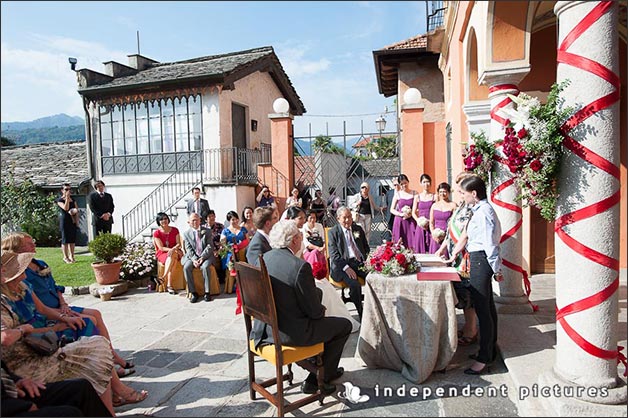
(408, 325)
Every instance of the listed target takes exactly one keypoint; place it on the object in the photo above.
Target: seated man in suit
(300, 314)
(199, 253)
(198, 205)
(263, 218)
(348, 250)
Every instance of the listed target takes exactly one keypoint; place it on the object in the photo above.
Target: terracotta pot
(107, 273)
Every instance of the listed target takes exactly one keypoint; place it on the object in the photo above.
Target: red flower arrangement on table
(392, 259)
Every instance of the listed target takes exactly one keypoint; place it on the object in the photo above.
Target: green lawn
(77, 274)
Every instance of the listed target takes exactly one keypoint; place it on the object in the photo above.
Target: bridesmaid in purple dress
(403, 223)
(421, 209)
(439, 216)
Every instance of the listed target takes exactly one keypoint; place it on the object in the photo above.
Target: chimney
(115, 69)
(140, 62)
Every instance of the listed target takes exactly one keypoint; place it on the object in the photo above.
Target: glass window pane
(117, 131)
(167, 125)
(142, 128)
(129, 129)
(181, 124)
(107, 148)
(155, 127)
(194, 109)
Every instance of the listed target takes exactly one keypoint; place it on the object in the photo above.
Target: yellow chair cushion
(199, 281)
(290, 354)
(343, 284)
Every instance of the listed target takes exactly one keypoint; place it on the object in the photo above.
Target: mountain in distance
(60, 121)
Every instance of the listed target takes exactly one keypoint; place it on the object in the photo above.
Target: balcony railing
(231, 165)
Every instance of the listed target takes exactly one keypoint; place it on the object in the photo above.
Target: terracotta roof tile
(419, 41)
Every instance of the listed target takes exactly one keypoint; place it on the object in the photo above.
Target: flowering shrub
(480, 156)
(392, 260)
(138, 261)
(533, 148)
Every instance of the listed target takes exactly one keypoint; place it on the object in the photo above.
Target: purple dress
(422, 237)
(404, 228)
(440, 221)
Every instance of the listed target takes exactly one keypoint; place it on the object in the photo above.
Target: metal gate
(337, 165)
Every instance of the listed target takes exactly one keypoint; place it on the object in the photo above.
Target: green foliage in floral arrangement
(480, 156)
(533, 147)
(106, 247)
(25, 208)
(138, 261)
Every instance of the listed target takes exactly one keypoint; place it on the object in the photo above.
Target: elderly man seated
(348, 249)
(301, 316)
(199, 253)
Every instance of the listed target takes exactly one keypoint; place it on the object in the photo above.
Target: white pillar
(587, 241)
(511, 295)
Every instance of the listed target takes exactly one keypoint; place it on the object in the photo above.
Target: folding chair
(258, 302)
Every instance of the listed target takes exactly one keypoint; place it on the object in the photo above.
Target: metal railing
(231, 165)
(164, 197)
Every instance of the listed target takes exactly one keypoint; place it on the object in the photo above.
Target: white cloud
(296, 64)
(41, 75)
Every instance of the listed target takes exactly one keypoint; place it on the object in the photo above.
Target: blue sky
(326, 48)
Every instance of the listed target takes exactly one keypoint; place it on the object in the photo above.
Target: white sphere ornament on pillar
(281, 105)
(412, 96)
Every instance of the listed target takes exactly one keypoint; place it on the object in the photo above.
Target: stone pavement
(191, 358)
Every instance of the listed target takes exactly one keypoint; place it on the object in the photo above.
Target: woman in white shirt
(482, 237)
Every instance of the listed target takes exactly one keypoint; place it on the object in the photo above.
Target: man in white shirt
(198, 205)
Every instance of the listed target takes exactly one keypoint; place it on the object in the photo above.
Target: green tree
(25, 208)
(6, 142)
(384, 147)
(324, 143)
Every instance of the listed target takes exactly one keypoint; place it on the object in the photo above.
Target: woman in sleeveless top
(439, 216)
(404, 224)
(421, 211)
(366, 207)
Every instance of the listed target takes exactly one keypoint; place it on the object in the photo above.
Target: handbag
(45, 344)
(317, 241)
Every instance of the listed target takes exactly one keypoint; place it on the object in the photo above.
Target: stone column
(282, 155)
(511, 295)
(587, 242)
(411, 152)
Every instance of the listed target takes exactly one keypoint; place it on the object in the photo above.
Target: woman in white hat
(89, 357)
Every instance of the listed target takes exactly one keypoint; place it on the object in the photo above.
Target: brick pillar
(411, 150)
(282, 154)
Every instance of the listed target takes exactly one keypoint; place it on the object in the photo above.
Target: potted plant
(105, 248)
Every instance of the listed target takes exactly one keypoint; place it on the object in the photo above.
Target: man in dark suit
(198, 205)
(199, 253)
(300, 314)
(263, 218)
(101, 205)
(348, 250)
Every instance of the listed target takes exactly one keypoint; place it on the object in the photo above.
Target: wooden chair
(258, 301)
(340, 285)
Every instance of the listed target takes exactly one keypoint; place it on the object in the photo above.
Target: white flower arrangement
(423, 222)
(407, 211)
(438, 234)
(138, 261)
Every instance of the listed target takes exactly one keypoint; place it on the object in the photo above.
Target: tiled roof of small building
(419, 41)
(211, 66)
(47, 165)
